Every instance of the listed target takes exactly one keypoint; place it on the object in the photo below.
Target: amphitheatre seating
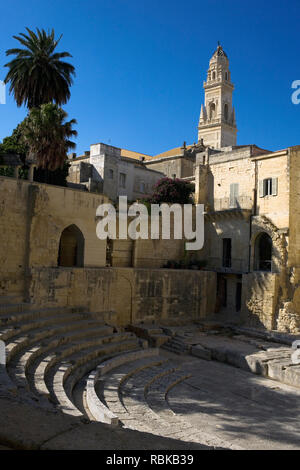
(134, 393)
(48, 350)
(65, 359)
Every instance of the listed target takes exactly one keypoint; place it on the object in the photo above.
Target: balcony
(226, 203)
(230, 265)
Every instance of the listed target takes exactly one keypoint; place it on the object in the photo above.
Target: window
(212, 110)
(122, 180)
(268, 187)
(234, 195)
(226, 112)
(226, 76)
(226, 261)
(111, 174)
(214, 75)
(238, 297)
(142, 187)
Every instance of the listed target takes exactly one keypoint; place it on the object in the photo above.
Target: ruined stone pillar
(16, 172)
(31, 172)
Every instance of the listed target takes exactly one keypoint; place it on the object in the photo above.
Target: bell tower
(217, 125)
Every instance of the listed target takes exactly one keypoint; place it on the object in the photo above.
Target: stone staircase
(66, 361)
(49, 351)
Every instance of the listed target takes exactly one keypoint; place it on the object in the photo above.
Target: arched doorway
(71, 247)
(263, 252)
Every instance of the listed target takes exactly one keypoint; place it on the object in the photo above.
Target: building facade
(113, 172)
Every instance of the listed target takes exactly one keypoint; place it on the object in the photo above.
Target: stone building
(252, 246)
(251, 205)
(114, 172)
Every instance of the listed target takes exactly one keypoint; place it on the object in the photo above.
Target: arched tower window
(226, 75)
(71, 247)
(226, 112)
(263, 252)
(212, 110)
(214, 75)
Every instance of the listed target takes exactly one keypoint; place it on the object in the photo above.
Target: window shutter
(231, 199)
(236, 191)
(234, 194)
(261, 188)
(274, 186)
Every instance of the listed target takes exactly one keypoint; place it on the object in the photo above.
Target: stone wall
(259, 299)
(33, 216)
(128, 295)
(177, 165)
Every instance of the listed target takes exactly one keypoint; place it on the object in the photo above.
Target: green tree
(171, 191)
(13, 144)
(37, 75)
(47, 134)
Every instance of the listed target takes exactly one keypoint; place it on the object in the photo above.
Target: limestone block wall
(13, 235)
(128, 295)
(223, 174)
(33, 216)
(294, 203)
(259, 299)
(276, 207)
(179, 166)
(57, 208)
(155, 253)
(237, 228)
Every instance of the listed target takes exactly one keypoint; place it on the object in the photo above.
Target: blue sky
(140, 67)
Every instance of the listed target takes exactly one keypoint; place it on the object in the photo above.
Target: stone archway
(71, 247)
(261, 224)
(263, 249)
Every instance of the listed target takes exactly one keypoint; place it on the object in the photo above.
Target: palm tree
(37, 75)
(46, 134)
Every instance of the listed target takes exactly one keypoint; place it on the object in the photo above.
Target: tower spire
(217, 126)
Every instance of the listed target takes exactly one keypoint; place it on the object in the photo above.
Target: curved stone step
(133, 396)
(111, 389)
(156, 393)
(7, 333)
(14, 307)
(16, 317)
(19, 343)
(96, 407)
(21, 362)
(68, 373)
(47, 360)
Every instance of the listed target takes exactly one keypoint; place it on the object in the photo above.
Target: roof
(171, 153)
(134, 155)
(219, 52)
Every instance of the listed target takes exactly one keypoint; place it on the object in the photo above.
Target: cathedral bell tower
(217, 125)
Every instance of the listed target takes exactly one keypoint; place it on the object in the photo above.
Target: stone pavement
(254, 354)
(249, 411)
(25, 427)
